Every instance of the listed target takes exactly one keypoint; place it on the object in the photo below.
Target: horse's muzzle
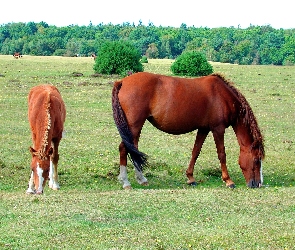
(253, 184)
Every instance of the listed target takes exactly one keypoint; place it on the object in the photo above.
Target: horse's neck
(243, 134)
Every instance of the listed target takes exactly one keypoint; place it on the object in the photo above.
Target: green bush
(191, 63)
(118, 57)
(144, 59)
(59, 52)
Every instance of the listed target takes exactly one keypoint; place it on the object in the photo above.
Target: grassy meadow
(91, 210)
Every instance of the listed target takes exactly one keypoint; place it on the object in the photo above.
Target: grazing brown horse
(180, 105)
(46, 114)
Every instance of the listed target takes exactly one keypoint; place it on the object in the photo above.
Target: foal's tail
(138, 158)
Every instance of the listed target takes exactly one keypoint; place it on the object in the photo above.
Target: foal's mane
(46, 126)
(246, 113)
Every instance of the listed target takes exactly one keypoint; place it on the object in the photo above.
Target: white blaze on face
(41, 179)
(51, 172)
(261, 175)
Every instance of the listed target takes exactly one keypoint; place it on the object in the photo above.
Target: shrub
(191, 63)
(144, 59)
(117, 57)
(59, 52)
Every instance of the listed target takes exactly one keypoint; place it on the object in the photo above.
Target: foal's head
(251, 164)
(40, 166)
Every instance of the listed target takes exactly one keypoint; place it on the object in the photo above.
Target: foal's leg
(200, 138)
(219, 142)
(31, 188)
(53, 175)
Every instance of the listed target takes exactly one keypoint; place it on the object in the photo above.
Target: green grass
(91, 211)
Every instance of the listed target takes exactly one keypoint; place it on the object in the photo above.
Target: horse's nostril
(252, 184)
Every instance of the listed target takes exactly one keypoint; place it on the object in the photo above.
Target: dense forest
(253, 45)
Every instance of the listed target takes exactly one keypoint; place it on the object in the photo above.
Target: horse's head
(40, 166)
(251, 164)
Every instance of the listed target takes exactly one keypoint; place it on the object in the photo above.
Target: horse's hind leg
(200, 138)
(53, 175)
(140, 178)
(219, 142)
(123, 177)
(138, 174)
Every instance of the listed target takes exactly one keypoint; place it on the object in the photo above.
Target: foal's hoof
(193, 184)
(144, 183)
(128, 188)
(30, 191)
(231, 186)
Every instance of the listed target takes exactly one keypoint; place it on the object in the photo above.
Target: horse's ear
(33, 151)
(50, 151)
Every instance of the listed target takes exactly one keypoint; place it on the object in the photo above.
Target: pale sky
(205, 13)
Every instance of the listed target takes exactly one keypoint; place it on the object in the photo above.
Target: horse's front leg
(219, 142)
(53, 175)
(31, 188)
(200, 138)
(123, 177)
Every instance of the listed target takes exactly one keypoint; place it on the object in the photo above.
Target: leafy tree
(152, 51)
(253, 45)
(191, 63)
(181, 39)
(72, 47)
(289, 50)
(143, 36)
(165, 49)
(118, 57)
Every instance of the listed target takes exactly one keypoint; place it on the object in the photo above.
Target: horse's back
(43, 100)
(177, 105)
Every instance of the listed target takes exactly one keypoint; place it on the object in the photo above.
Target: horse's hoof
(30, 191)
(144, 183)
(128, 188)
(231, 186)
(193, 184)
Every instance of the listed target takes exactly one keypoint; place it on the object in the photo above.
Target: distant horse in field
(17, 55)
(93, 56)
(180, 105)
(46, 113)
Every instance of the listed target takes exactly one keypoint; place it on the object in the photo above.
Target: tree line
(253, 45)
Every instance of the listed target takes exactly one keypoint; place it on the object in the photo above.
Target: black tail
(138, 158)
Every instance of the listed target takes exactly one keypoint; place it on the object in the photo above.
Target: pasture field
(91, 211)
